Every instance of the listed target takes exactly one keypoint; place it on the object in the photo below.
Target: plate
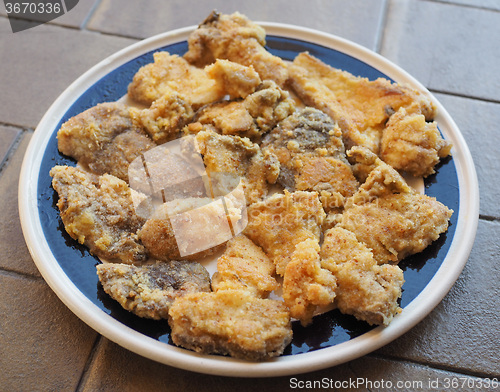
(333, 338)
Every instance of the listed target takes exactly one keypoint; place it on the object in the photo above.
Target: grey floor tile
(43, 346)
(14, 255)
(445, 47)
(478, 121)
(356, 20)
(78, 16)
(38, 64)
(462, 332)
(8, 135)
(115, 368)
(388, 375)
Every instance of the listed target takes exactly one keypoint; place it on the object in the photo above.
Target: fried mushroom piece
(148, 291)
(170, 73)
(231, 322)
(165, 117)
(360, 106)
(98, 212)
(366, 290)
(312, 157)
(278, 223)
(233, 155)
(257, 114)
(189, 229)
(104, 138)
(234, 37)
(411, 144)
(306, 285)
(245, 266)
(391, 218)
(233, 79)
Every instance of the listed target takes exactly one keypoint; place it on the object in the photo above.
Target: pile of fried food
(319, 152)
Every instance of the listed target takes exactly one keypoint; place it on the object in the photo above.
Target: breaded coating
(225, 154)
(227, 118)
(231, 322)
(411, 144)
(331, 178)
(257, 114)
(269, 105)
(245, 266)
(98, 212)
(234, 37)
(378, 178)
(233, 79)
(166, 116)
(104, 138)
(391, 218)
(360, 106)
(189, 228)
(312, 157)
(198, 86)
(306, 285)
(366, 290)
(278, 223)
(397, 225)
(171, 73)
(148, 291)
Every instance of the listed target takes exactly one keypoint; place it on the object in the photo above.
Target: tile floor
(451, 46)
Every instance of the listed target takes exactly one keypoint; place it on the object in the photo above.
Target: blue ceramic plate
(333, 338)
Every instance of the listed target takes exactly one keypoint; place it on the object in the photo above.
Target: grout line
(12, 149)
(18, 274)
(379, 39)
(489, 218)
(116, 35)
(77, 28)
(434, 366)
(21, 127)
(476, 7)
(488, 100)
(85, 372)
(86, 20)
(349, 365)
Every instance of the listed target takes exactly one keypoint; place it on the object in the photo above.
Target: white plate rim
(107, 326)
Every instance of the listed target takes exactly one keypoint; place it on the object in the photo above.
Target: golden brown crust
(244, 266)
(309, 147)
(411, 144)
(398, 225)
(257, 114)
(171, 73)
(234, 37)
(99, 213)
(280, 222)
(165, 117)
(361, 107)
(364, 289)
(231, 322)
(306, 285)
(390, 217)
